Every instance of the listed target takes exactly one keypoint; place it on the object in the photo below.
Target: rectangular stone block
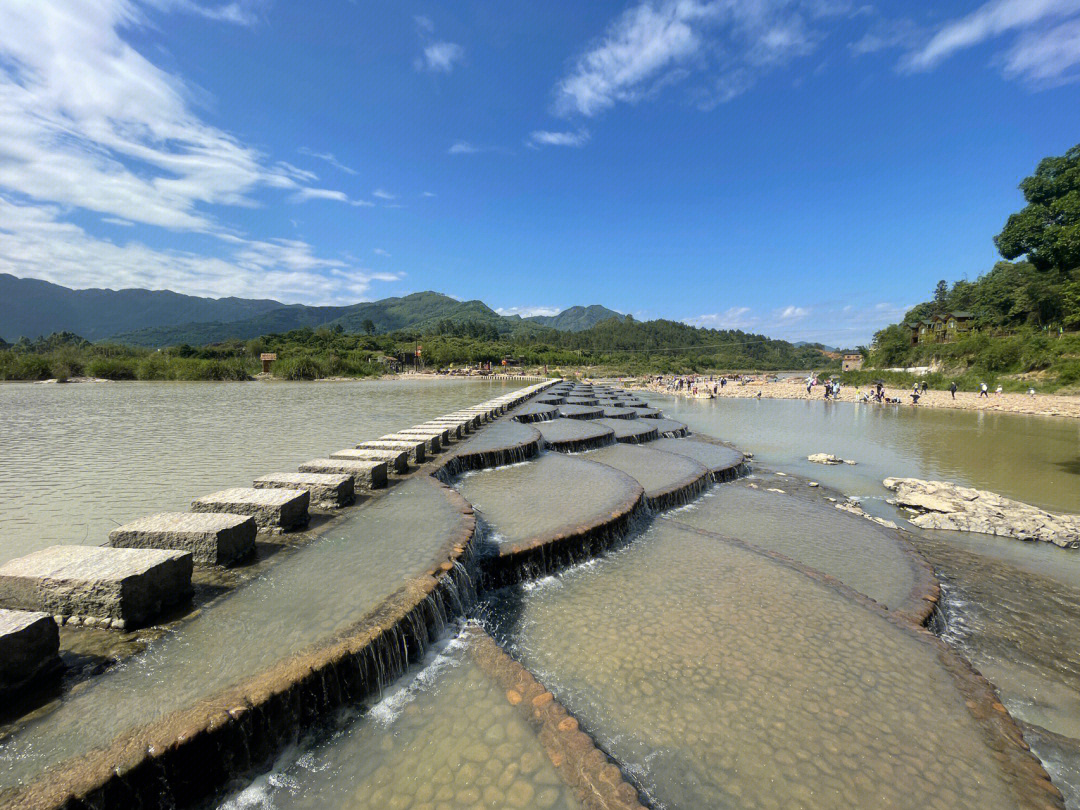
(366, 473)
(454, 429)
(132, 585)
(416, 448)
(29, 646)
(212, 538)
(397, 460)
(328, 490)
(436, 439)
(273, 509)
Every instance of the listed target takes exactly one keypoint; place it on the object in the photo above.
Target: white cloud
(463, 148)
(657, 43)
(424, 23)
(528, 312)
(381, 252)
(305, 194)
(382, 194)
(439, 57)
(545, 138)
(998, 17)
(427, 193)
(791, 313)
(328, 157)
(731, 318)
(35, 242)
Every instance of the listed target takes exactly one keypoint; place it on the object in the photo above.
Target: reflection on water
(321, 589)
(554, 493)
(78, 460)
(723, 679)
(445, 737)
(1024, 457)
(852, 549)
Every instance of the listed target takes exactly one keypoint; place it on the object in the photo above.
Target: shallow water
(503, 433)
(657, 472)
(318, 591)
(670, 653)
(852, 549)
(555, 492)
(625, 428)
(78, 460)
(442, 737)
(561, 430)
(714, 456)
(1033, 458)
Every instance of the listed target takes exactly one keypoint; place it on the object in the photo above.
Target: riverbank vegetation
(1024, 313)
(617, 346)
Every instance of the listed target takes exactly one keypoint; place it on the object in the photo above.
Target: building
(851, 362)
(943, 328)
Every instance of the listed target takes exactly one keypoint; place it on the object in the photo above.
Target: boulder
(944, 505)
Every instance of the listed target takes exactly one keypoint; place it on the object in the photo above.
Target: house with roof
(944, 327)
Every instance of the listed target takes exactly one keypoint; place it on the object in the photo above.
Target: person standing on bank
(952, 389)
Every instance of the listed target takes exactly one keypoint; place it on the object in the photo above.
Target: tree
(891, 346)
(1047, 230)
(941, 296)
(368, 326)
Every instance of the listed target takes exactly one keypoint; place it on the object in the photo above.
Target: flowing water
(631, 429)
(553, 494)
(78, 460)
(443, 737)
(723, 679)
(660, 474)
(714, 456)
(852, 549)
(322, 589)
(573, 430)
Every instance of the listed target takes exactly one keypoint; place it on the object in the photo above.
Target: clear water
(78, 460)
(714, 456)
(624, 428)
(318, 591)
(561, 430)
(443, 737)
(657, 472)
(498, 435)
(723, 679)
(554, 493)
(852, 549)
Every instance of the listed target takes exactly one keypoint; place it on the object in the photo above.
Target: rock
(29, 645)
(366, 473)
(133, 584)
(327, 490)
(212, 538)
(827, 458)
(813, 484)
(944, 505)
(273, 509)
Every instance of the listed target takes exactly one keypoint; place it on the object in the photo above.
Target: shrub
(112, 368)
(302, 367)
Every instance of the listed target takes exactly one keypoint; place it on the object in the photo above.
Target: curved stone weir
(669, 428)
(504, 442)
(581, 411)
(616, 412)
(734, 680)
(470, 729)
(631, 431)
(575, 435)
(669, 479)
(330, 623)
(536, 412)
(875, 561)
(724, 463)
(538, 520)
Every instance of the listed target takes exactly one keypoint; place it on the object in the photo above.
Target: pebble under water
(672, 653)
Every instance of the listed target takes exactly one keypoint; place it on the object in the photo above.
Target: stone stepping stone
(118, 587)
(366, 473)
(433, 440)
(327, 490)
(632, 431)
(416, 448)
(212, 538)
(273, 509)
(453, 430)
(722, 461)
(29, 646)
(396, 460)
(669, 428)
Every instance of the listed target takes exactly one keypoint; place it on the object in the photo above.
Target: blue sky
(805, 168)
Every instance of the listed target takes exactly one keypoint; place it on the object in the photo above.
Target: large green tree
(1047, 230)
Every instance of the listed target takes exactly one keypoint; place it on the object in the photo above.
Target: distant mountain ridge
(156, 318)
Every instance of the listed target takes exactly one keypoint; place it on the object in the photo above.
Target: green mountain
(576, 319)
(32, 308)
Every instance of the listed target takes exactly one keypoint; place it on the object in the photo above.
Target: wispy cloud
(328, 157)
(730, 318)
(427, 193)
(546, 138)
(528, 312)
(382, 194)
(305, 194)
(463, 148)
(1047, 49)
(381, 252)
(791, 313)
(440, 57)
(654, 44)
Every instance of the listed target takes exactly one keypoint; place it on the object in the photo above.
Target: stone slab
(29, 646)
(442, 433)
(131, 585)
(396, 460)
(366, 473)
(432, 441)
(212, 538)
(328, 490)
(414, 447)
(273, 509)
(453, 429)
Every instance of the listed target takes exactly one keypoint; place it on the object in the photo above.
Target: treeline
(1024, 307)
(622, 346)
